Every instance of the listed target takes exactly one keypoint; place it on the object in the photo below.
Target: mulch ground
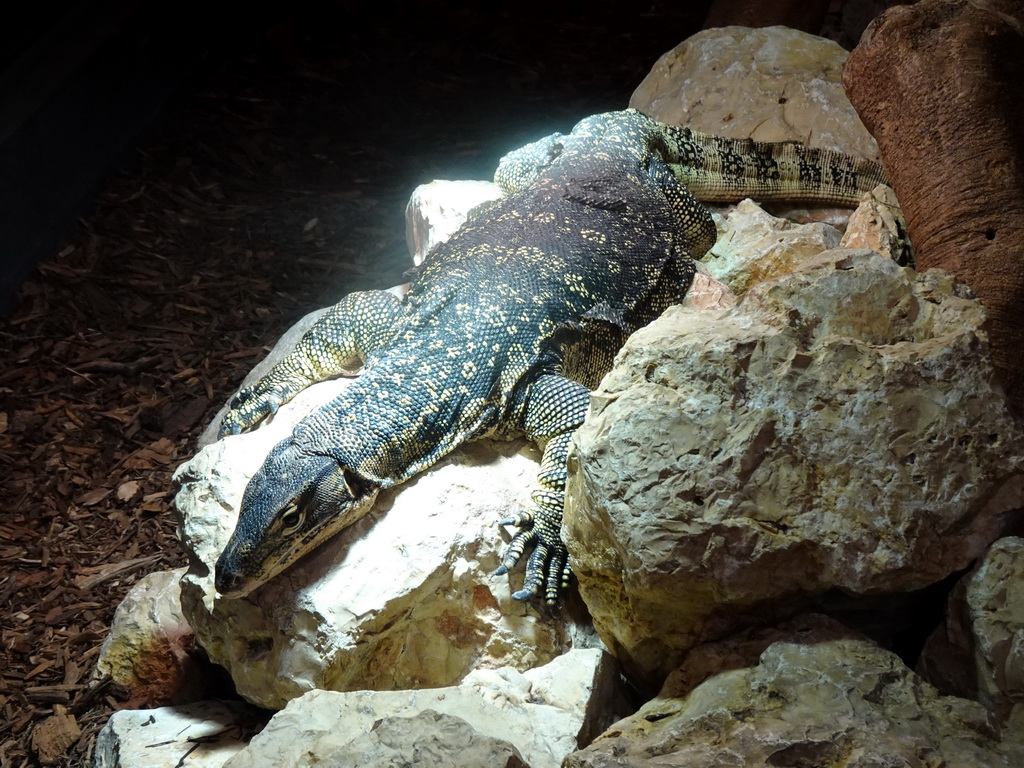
(274, 184)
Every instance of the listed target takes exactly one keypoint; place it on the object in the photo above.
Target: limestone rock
(149, 644)
(979, 652)
(204, 735)
(437, 209)
(754, 246)
(546, 713)
(706, 292)
(428, 738)
(838, 429)
(878, 225)
(817, 696)
(405, 598)
(770, 84)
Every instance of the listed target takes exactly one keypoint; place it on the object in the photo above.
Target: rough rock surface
(816, 695)
(878, 225)
(437, 209)
(429, 738)
(205, 734)
(979, 652)
(939, 84)
(147, 649)
(838, 429)
(754, 246)
(405, 598)
(770, 84)
(545, 712)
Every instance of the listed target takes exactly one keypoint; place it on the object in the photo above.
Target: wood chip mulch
(273, 185)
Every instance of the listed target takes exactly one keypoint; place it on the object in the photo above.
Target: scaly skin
(505, 329)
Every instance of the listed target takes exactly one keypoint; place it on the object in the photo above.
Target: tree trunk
(940, 84)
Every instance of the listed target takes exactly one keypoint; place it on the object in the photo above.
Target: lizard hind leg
(555, 408)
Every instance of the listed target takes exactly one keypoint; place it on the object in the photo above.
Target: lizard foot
(249, 407)
(547, 568)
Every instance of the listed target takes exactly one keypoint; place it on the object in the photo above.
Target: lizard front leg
(555, 408)
(335, 344)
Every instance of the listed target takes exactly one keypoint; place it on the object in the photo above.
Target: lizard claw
(249, 407)
(547, 568)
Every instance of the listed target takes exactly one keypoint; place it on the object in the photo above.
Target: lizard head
(294, 503)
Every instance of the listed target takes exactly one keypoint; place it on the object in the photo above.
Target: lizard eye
(291, 519)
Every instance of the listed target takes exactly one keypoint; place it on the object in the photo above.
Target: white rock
(147, 648)
(770, 84)
(816, 696)
(839, 428)
(545, 713)
(201, 735)
(405, 598)
(754, 246)
(437, 209)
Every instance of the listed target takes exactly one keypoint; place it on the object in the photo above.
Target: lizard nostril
(226, 581)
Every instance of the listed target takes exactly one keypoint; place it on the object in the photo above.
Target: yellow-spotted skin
(505, 329)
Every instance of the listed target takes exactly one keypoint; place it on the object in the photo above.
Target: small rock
(437, 209)
(754, 246)
(428, 739)
(878, 225)
(149, 645)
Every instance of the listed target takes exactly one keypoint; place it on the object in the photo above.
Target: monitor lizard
(505, 329)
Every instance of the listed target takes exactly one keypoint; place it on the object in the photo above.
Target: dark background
(444, 90)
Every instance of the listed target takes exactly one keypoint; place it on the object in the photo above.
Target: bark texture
(940, 85)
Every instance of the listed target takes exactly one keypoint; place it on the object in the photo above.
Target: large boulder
(404, 598)
(809, 693)
(839, 429)
(769, 84)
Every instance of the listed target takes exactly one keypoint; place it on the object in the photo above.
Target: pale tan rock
(806, 694)
(706, 292)
(878, 225)
(428, 738)
(529, 710)
(148, 649)
(838, 429)
(437, 209)
(979, 651)
(769, 84)
(754, 246)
